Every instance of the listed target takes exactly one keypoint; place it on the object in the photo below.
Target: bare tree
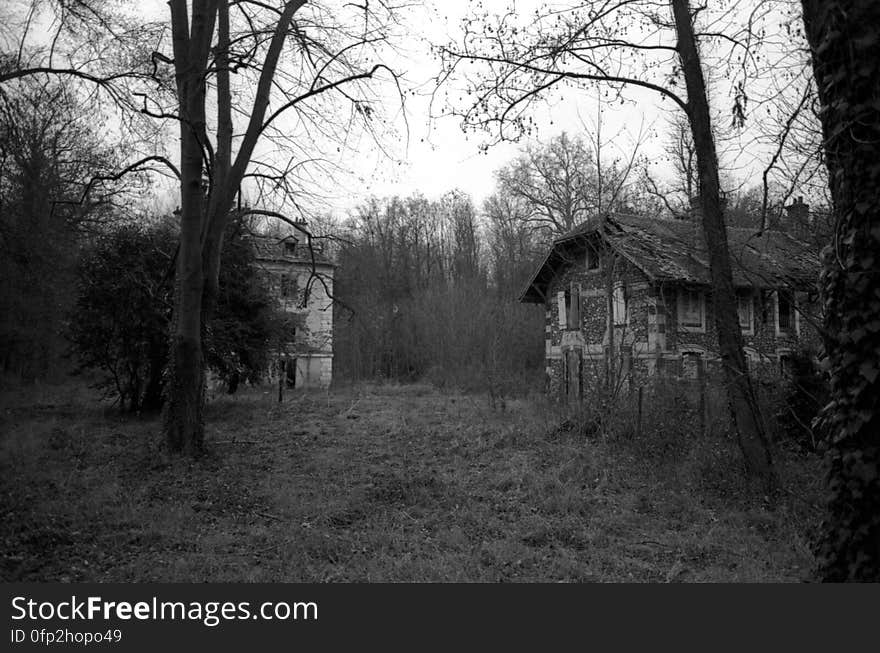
(329, 55)
(512, 244)
(554, 180)
(49, 150)
(681, 154)
(567, 180)
(252, 65)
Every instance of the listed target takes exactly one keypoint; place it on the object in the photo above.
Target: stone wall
(312, 344)
(652, 341)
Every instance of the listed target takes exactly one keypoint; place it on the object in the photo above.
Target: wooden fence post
(704, 407)
(281, 374)
(639, 419)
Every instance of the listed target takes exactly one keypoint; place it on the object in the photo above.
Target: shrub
(122, 316)
(119, 324)
(803, 394)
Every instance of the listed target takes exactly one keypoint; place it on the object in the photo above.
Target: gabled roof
(675, 251)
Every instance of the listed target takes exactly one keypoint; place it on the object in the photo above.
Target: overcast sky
(429, 153)
(440, 157)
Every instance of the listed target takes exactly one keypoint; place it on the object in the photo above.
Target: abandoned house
(299, 272)
(632, 294)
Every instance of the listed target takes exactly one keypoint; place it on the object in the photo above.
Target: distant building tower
(300, 275)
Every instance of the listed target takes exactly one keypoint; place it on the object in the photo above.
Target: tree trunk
(185, 390)
(844, 40)
(747, 421)
(204, 215)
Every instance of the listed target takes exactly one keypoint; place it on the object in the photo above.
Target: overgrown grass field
(386, 483)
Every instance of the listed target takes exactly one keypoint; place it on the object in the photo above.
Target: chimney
(798, 211)
(797, 219)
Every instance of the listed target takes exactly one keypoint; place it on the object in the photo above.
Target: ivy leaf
(869, 370)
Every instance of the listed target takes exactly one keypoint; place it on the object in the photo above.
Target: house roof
(271, 248)
(675, 251)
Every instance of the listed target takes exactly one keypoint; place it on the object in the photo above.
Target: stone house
(632, 294)
(299, 272)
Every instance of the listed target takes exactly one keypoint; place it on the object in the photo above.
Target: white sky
(440, 157)
(437, 156)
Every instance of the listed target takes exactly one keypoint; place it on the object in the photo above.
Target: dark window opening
(290, 247)
(785, 311)
(692, 365)
(573, 306)
(785, 364)
(745, 310)
(290, 372)
(565, 375)
(289, 286)
(592, 259)
(691, 309)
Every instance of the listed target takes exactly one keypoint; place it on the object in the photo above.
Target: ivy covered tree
(844, 42)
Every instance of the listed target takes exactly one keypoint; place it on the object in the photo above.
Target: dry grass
(383, 483)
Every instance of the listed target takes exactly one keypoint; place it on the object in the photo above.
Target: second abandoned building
(299, 273)
(634, 293)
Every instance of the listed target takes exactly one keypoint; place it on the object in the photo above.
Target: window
(691, 364)
(691, 310)
(619, 305)
(784, 313)
(746, 312)
(592, 259)
(289, 286)
(573, 306)
(290, 247)
(784, 362)
(560, 307)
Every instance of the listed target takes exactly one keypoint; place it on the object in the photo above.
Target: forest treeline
(425, 289)
(428, 290)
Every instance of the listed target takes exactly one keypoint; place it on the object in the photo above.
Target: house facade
(299, 273)
(632, 295)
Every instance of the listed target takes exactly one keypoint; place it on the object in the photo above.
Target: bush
(121, 320)
(804, 392)
(119, 325)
